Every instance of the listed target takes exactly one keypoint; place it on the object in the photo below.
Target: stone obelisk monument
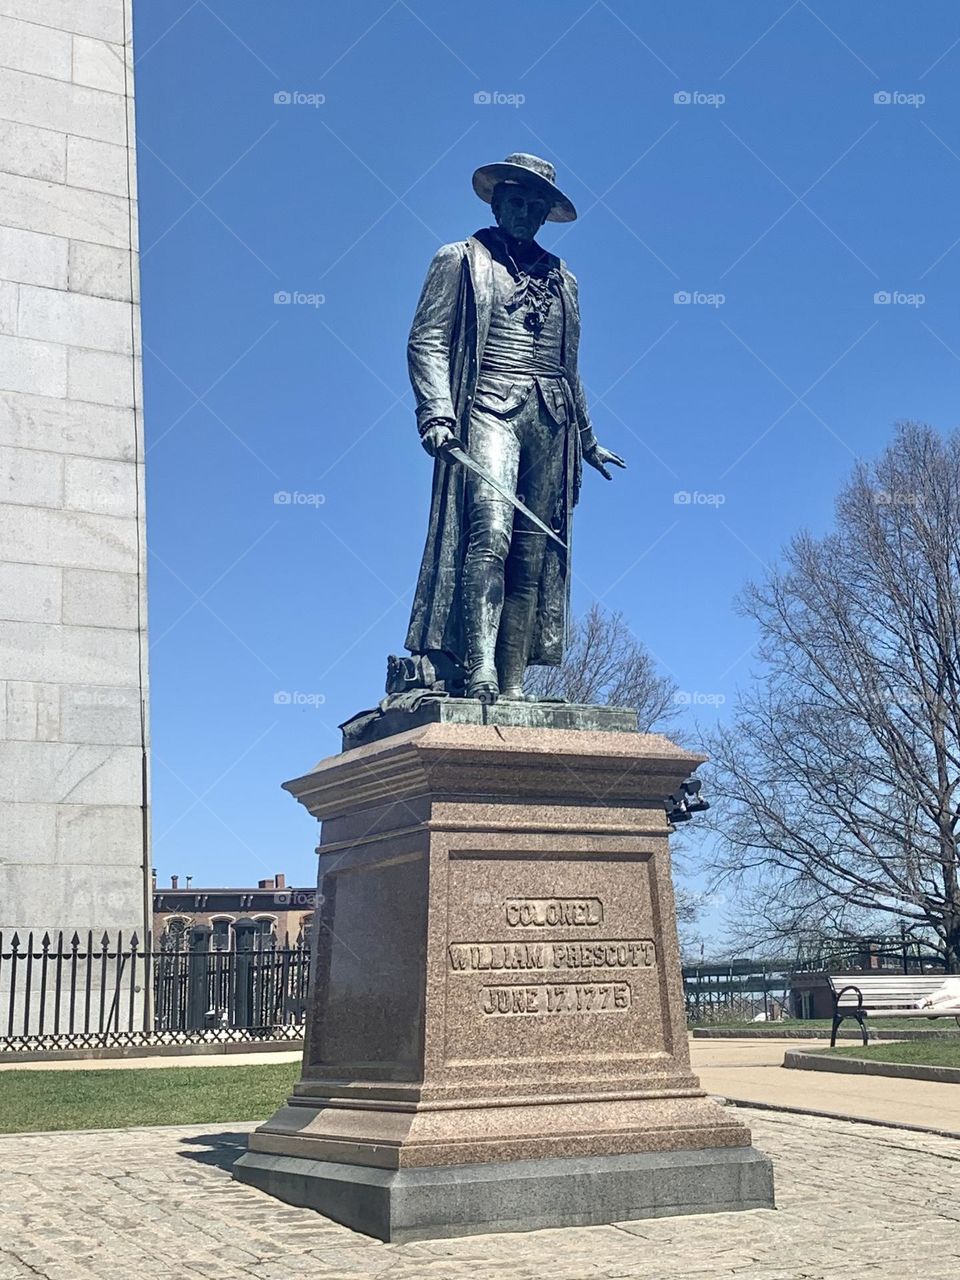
(74, 736)
(496, 1037)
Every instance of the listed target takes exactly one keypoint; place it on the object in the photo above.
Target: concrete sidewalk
(751, 1071)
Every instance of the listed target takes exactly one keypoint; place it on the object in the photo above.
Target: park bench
(884, 995)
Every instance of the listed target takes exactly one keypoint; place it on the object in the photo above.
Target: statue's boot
(482, 605)
(513, 643)
(484, 685)
(482, 591)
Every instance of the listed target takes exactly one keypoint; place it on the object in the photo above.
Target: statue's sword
(454, 449)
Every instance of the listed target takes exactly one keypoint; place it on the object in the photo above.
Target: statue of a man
(493, 362)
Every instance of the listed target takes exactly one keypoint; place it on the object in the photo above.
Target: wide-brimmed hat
(530, 171)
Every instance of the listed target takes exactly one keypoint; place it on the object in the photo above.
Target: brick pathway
(856, 1201)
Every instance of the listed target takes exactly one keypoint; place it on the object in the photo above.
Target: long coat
(444, 353)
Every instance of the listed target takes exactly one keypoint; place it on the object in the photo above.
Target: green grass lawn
(813, 1025)
(37, 1100)
(821, 1026)
(925, 1053)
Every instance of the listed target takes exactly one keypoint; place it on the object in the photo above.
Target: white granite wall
(73, 683)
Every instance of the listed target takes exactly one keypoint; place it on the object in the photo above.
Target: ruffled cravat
(535, 273)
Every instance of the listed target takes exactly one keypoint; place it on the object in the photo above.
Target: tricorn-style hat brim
(488, 175)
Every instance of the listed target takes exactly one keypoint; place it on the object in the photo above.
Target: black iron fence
(81, 993)
(263, 985)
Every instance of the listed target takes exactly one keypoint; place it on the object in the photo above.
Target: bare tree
(688, 904)
(776, 920)
(605, 664)
(836, 787)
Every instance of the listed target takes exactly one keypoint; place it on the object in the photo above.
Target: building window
(266, 930)
(222, 939)
(174, 936)
(306, 931)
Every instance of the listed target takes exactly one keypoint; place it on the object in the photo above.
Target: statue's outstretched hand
(598, 457)
(437, 433)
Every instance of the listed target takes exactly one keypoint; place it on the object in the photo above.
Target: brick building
(279, 912)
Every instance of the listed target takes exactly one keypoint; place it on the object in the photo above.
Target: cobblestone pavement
(856, 1201)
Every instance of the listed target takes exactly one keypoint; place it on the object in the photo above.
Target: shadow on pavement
(219, 1149)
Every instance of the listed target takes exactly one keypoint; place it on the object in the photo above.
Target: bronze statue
(493, 363)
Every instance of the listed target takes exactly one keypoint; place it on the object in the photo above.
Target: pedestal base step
(396, 715)
(516, 1195)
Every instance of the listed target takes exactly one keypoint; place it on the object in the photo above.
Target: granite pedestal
(496, 1036)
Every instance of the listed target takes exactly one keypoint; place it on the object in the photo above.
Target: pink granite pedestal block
(497, 983)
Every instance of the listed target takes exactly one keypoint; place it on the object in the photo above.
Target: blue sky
(780, 164)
